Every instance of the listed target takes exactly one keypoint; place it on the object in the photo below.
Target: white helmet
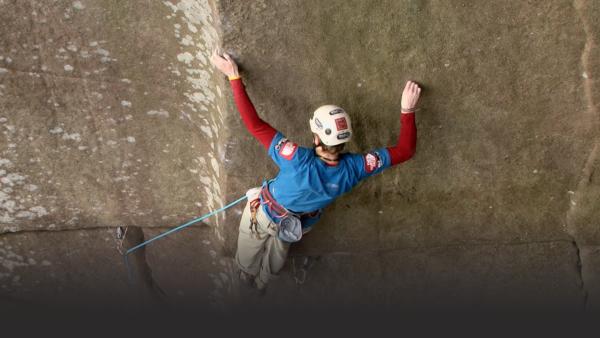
(332, 124)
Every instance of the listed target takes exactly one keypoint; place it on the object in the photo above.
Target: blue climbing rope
(166, 233)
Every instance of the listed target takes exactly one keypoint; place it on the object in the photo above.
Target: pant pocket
(265, 224)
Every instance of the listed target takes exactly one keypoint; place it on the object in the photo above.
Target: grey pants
(260, 252)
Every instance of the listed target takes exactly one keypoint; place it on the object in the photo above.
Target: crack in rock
(588, 170)
(579, 264)
(141, 271)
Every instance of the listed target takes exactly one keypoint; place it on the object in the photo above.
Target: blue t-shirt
(306, 183)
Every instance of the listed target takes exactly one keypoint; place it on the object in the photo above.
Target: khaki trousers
(260, 252)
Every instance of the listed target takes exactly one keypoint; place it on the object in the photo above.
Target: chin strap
(323, 157)
(327, 159)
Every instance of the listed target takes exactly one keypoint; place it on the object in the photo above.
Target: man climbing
(309, 179)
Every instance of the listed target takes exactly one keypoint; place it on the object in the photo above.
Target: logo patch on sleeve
(372, 162)
(288, 150)
(341, 124)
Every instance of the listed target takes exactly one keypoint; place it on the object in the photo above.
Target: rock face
(111, 116)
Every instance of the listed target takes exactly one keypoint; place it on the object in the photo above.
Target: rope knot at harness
(254, 205)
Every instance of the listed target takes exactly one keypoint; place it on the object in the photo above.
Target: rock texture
(111, 115)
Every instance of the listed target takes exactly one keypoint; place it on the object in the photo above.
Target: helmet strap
(326, 159)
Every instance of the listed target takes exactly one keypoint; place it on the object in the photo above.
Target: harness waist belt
(276, 209)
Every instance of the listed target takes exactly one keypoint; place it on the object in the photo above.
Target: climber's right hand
(225, 64)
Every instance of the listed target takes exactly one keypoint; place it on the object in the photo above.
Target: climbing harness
(166, 233)
(289, 224)
(254, 205)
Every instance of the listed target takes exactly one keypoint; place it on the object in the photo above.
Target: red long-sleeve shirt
(255, 125)
(402, 151)
(407, 140)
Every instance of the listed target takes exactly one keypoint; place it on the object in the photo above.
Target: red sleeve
(407, 140)
(257, 127)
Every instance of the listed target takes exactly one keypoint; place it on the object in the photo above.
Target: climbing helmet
(332, 124)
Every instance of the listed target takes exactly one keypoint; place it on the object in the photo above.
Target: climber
(282, 210)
